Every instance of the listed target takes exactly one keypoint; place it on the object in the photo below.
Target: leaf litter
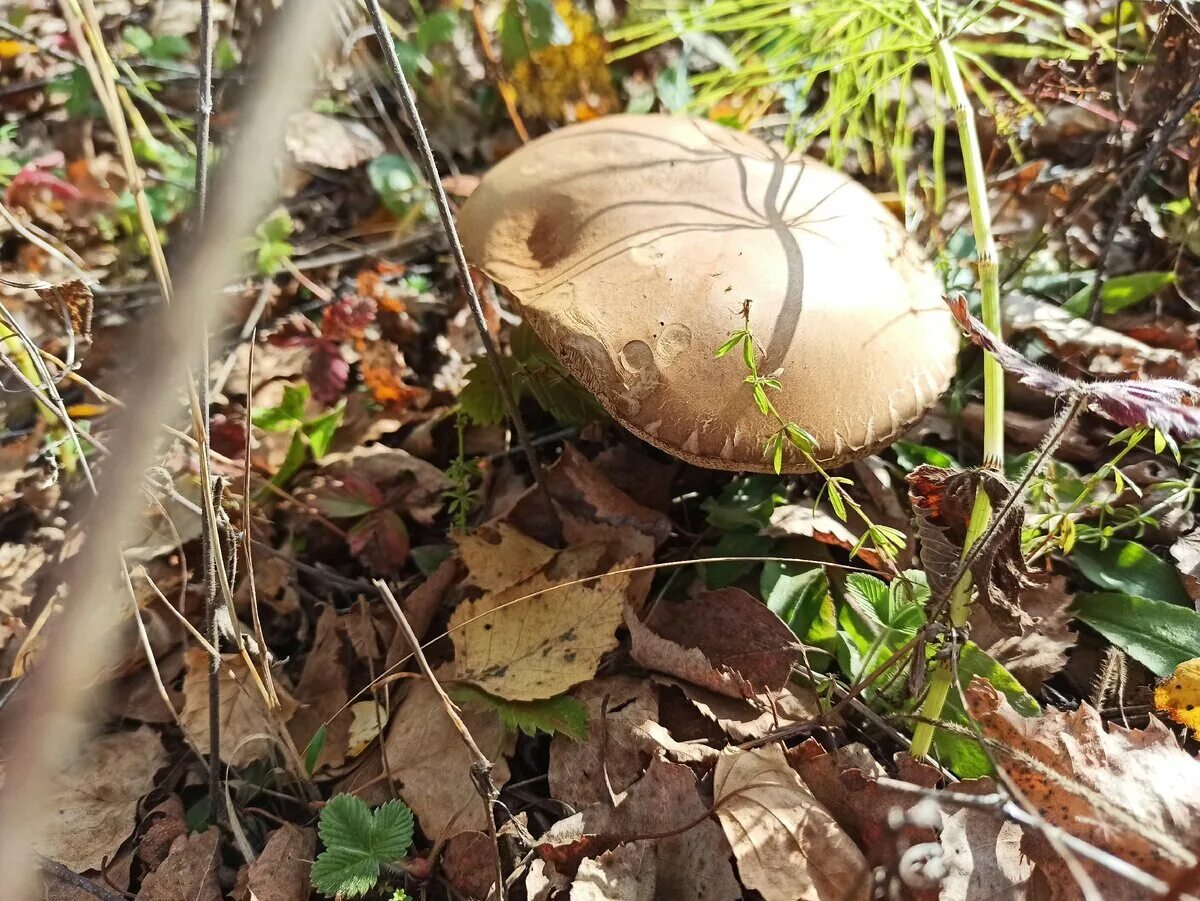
(651, 736)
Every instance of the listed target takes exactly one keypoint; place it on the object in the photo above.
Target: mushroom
(632, 244)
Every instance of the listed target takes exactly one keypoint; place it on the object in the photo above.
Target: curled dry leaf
(246, 723)
(541, 636)
(315, 139)
(190, 871)
(788, 847)
(723, 640)
(688, 857)
(1131, 792)
(281, 871)
(1040, 649)
(942, 500)
(615, 751)
(432, 766)
(322, 693)
(95, 800)
(1168, 405)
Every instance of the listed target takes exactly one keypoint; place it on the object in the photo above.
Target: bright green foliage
(273, 249)
(1130, 568)
(400, 186)
(167, 48)
(561, 715)
(357, 843)
(526, 27)
(309, 436)
(845, 67)
(877, 620)
(1119, 292)
(1156, 634)
(316, 745)
(800, 597)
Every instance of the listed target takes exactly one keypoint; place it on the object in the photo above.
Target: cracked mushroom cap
(631, 243)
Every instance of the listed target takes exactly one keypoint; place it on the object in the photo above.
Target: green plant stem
(993, 376)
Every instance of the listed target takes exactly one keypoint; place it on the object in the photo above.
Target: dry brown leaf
(468, 861)
(432, 766)
(982, 851)
(315, 139)
(822, 770)
(160, 827)
(322, 693)
(421, 605)
(189, 872)
(497, 556)
(743, 719)
(692, 863)
(19, 568)
(788, 847)
(1040, 650)
(819, 524)
(626, 873)
(1186, 552)
(724, 640)
(246, 727)
(583, 491)
(540, 646)
(94, 805)
(1131, 792)
(281, 871)
(617, 707)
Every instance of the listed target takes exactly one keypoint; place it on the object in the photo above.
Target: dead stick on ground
(481, 769)
(208, 564)
(460, 260)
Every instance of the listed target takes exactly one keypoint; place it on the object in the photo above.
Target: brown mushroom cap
(631, 243)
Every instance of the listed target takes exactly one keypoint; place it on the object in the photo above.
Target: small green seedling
(359, 843)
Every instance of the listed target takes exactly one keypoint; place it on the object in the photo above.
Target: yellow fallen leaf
(534, 640)
(10, 49)
(369, 718)
(1178, 695)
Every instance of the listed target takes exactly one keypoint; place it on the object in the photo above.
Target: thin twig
(460, 260)
(69, 876)
(481, 769)
(999, 805)
(208, 562)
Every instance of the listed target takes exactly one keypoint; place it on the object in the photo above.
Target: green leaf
(673, 88)
(875, 622)
(428, 557)
(1130, 568)
(313, 751)
(1158, 635)
(288, 414)
(320, 430)
(910, 456)
(514, 46)
(398, 184)
(480, 399)
(297, 454)
(138, 38)
(800, 597)
(438, 28)
(546, 26)
(1119, 292)
(357, 842)
(735, 544)
(730, 343)
(745, 501)
(561, 715)
(961, 753)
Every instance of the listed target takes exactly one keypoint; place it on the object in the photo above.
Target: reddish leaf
(36, 176)
(346, 318)
(380, 540)
(296, 331)
(328, 372)
(228, 436)
(1165, 404)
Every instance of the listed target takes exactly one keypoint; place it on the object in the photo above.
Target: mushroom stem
(425, 152)
(993, 375)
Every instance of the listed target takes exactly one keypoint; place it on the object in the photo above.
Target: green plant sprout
(359, 844)
(886, 541)
(461, 497)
